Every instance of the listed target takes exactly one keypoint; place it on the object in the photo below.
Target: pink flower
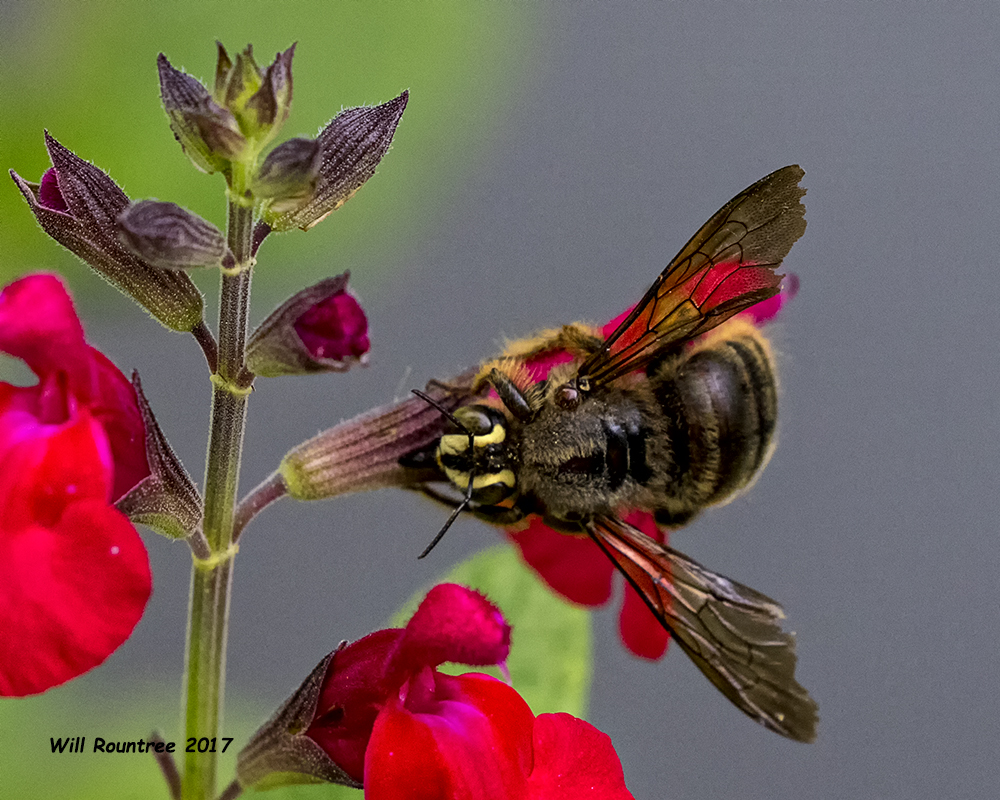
(574, 566)
(389, 720)
(74, 575)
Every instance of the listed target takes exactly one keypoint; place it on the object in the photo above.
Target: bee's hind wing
(731, 632)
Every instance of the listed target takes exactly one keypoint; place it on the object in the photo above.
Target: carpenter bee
(659, 417)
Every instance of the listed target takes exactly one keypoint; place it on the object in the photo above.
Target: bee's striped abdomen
(721, 408)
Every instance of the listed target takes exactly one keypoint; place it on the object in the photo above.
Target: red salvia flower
(74, 575)
(391, 721)
(574, 566)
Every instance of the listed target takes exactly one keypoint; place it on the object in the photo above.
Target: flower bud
(268, 108)
(78, 205)
(288, 175)
(320, 329)
(170, 237)
(260, 101)
(351, 147)
(208, 133)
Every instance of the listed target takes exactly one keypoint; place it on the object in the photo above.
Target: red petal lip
(74, 575)
(453, 624)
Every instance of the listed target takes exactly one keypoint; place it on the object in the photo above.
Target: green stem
(211, 579)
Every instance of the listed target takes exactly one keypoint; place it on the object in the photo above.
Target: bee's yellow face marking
(457, 445)
(461, 479)
(454, 444)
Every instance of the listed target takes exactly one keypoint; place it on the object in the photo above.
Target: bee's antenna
(444, 411)
(468, 491)
(454, 515)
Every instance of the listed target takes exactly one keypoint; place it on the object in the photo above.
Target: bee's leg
(511, 396)
(495, 515)
(578, 340)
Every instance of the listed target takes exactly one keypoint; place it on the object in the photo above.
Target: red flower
(574, 566)
(388, 719)
(74, 576)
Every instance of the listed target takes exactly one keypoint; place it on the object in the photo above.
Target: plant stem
(211, 579)
(268, 491)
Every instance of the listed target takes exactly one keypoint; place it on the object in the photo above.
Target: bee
(660, 417)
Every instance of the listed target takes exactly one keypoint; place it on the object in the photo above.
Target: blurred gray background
(875, 522)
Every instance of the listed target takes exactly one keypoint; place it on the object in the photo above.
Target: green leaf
(551, 658)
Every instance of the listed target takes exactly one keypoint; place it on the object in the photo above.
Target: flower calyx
(166, 500)
(280, 753)
(388, 446)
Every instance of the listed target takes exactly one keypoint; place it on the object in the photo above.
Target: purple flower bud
(335, 328)
(77, 204)
(288, 174)
(208, 133)
(168, 236)
(319, 329)
(272, 102)
(351, 147)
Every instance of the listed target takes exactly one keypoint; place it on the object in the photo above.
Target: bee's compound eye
(475, 420)
(492, 494)
(567, 396)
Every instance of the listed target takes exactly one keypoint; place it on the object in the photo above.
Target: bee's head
(480, 454)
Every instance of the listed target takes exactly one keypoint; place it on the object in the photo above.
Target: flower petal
(453, 623)
(38, 325)
(573, 759)
(766, 310)
(335, 328)
(114, 405)
(572, 565)
(641, 632)
(74, 575)
(475, 744)
(68, 600)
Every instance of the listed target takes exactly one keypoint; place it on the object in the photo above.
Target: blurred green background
(87, 73)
